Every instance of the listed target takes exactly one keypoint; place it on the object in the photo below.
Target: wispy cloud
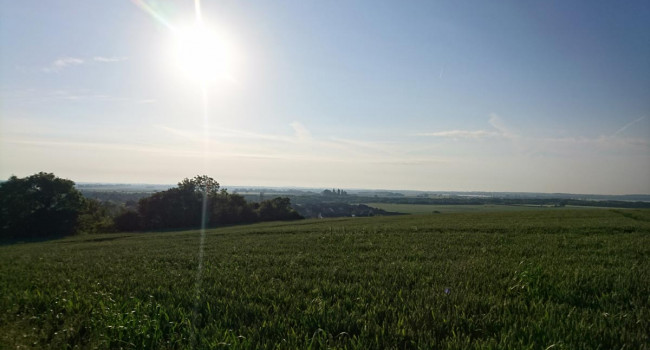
(83, 95)
(583, 146)
(573, 146)
(35, 96)
(70, 95)
(225, 133)
(498, 123)
(62, 63)
(624, 127)
(462, 134)
(301, 131)
(501, 130)
(109, 59)
(68, 61)
(298, 144)
(520, 143)
(178, 132)
(310, 148)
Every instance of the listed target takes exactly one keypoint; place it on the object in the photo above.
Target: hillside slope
(531, 279)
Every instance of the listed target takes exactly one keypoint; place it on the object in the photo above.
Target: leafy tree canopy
(185, 206)
(200, 184)
(40, 205)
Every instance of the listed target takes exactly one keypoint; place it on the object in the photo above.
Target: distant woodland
(45, 206)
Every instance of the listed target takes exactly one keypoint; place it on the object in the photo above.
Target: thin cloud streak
(68, 61)
(462, 134)
(215, 154)
(301, 131)
(32, 96)
(62, 63)
(549, 146)
(498, 123)
(166, 151)
(109, 59)
(495, 121)
(362, 150)
(311, 149)
(627, 126)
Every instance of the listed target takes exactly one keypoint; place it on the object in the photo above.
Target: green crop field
(537, 279)
(463, 208)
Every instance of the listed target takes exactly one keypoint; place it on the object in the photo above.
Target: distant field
(459, 208)
(536, 279)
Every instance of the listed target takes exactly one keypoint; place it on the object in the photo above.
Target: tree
(277, 209)
(96, 217)
(182, 207)
(178, 207)
(40, 205)
(174, 208)
(127, 221)
(200, 184)
(228, 208)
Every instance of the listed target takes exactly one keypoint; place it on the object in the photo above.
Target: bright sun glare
(201, 54)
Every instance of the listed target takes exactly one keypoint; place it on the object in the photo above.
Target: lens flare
(152, 10)
(200, 54)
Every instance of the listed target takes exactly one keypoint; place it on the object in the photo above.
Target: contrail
(627, 126)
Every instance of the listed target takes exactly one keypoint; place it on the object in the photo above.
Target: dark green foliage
(127, 221)
(128, 199)
(338, 209)
(174, 208)
(567, 279)
(177, 207)
(182, 207)
(40, 205)
(226, 208)
(96, 217)
(560, 202)
(200, 184)
(490, 199)
(277, 209)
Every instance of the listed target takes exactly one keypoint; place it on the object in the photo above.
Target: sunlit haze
(424, 95)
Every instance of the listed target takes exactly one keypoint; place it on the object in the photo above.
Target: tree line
(44, 206)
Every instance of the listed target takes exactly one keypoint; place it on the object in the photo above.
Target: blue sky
(431, 95)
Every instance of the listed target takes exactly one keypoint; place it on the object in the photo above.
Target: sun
(201, 54)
